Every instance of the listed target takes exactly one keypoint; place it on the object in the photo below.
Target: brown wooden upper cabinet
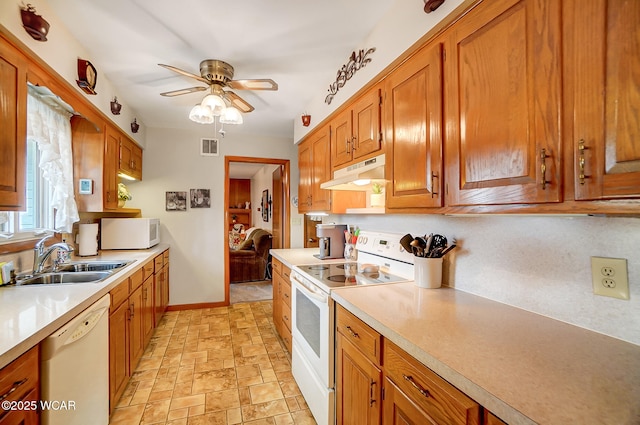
(604, 53)
(315, 168)
(356, 132)
(13, 127)
(130, 158)
(503, 87)
(413, 125)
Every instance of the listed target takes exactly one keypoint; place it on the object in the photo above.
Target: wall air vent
(209, 147)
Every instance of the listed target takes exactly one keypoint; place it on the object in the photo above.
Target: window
(39, 214)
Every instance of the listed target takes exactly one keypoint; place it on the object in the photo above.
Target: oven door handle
(314, 293)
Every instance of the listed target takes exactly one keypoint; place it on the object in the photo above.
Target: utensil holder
(428, 272)
(350, 252)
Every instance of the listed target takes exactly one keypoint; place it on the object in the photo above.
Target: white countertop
(29, 314)
(523, 367)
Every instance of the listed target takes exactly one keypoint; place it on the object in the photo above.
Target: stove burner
(341, 278)
(340, 266)
(318, 267)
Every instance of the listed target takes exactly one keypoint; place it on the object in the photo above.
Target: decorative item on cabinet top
(115, 106)
(35, 25)
(306, 119)
(87, 76)
(346, 72)
(134, 126)
(431, 5)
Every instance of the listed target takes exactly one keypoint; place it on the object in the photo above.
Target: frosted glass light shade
(201, 115)
(231, 115)
(213, 102)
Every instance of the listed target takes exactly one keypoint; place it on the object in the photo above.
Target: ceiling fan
(218, 75)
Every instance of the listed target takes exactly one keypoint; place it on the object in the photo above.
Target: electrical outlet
(610, 278)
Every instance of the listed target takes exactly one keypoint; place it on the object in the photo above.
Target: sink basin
(62, 278)
(92, 266)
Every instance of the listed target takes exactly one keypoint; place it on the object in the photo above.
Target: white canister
(88, 239)
(428, 272)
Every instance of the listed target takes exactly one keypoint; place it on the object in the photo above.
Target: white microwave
(129, 233)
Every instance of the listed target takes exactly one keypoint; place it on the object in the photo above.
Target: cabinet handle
(416, 386)
(371, 399)
(581, 161)
(15, 386)
(132, 309)
(353, 143)
(144, 294)
(286, 295)
(543, 168)
(346, 146)
(353, 334)
(433, 190)
(286, 318)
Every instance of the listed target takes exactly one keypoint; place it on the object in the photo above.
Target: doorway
(273, 207)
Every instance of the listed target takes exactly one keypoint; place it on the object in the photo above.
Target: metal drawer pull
(433, 187)
(353, 334)
(416, 386)
(15, 387)
(371, 399)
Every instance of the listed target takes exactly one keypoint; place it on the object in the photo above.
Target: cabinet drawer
(286, 338)
(20, 377)
(285, 292)
(119, 294)
(359, 334)
(136, 279)
(276, 266)
(439, 399)
(286, 272)
(147, 269)
(158, 263)
(165, 257)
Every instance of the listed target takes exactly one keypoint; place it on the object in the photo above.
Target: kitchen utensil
(429, 242)
(447, 250)
(405, 242)
(419, 245)
(439, 241)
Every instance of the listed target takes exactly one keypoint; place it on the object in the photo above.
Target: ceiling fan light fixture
(201, 115)
(215, 103)
(231, 115)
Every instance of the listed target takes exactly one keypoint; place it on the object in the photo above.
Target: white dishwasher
(75, 370)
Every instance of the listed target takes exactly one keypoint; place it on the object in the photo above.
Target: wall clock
(87, 76)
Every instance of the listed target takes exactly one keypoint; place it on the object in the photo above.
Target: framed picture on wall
(176, 201)
(265, 205)
(200, 198)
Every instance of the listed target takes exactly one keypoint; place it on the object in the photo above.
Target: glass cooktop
(337, 275)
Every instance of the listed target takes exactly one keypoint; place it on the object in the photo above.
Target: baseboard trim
(196, 306)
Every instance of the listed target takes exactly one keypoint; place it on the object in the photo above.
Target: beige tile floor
(214, 366)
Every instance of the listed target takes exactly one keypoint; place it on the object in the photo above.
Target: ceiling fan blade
(254, 84)
(185, 73)
(238, 102)
(183, 91)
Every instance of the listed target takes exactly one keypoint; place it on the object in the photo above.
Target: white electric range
(381, 260)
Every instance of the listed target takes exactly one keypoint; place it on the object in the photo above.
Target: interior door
(276, 208)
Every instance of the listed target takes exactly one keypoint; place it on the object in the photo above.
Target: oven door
(312, 349)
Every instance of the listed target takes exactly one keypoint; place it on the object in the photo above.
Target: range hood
(359, 176)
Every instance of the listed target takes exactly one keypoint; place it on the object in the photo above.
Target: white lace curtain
(49, 125)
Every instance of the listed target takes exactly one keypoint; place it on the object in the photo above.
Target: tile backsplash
(537, 263)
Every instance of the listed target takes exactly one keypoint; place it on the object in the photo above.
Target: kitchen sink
(62, 278)
(91, 266)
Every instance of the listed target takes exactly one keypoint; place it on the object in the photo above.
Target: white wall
(61, 52)
(540, 264)
(172, 162)
(262, 180)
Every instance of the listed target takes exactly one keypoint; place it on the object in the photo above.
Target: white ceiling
(300, 44)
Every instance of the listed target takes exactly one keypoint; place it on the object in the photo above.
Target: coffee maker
(331, 238)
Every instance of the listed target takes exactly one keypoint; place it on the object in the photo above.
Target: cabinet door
(165, 287)
(136, 161)
(304, 185)
(366, 124)
(503, 91)
(400, 410)
(606, 79)
(136, 332)
(130, 158)
(414, 131)
(321, 171)
(358, 391)
(23, 417)
(147, 309)
(118, 352)
(13, 125)
(110, 172)
(341, 139)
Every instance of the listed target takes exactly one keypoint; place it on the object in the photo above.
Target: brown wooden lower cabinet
(379, 383)
(282, 301)
(118, 351)
(20, 381)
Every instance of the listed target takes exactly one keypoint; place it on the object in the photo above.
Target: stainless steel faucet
(41, 253)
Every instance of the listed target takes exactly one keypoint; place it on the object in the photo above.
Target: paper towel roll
(88, 239)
